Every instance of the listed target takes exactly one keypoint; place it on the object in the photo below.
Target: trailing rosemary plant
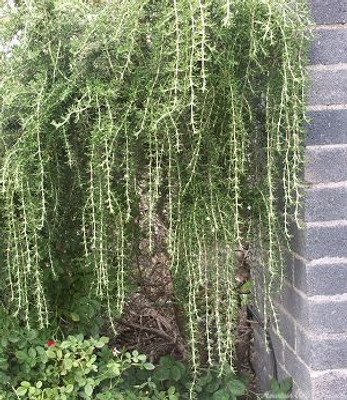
(194, 107)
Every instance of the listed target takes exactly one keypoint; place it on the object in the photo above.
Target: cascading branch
(193, 107)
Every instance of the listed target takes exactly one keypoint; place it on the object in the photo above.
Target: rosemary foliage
(195, 106)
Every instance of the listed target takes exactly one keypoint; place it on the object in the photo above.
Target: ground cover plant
(145, 146)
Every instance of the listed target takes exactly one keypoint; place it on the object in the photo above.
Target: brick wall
(312, 346)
